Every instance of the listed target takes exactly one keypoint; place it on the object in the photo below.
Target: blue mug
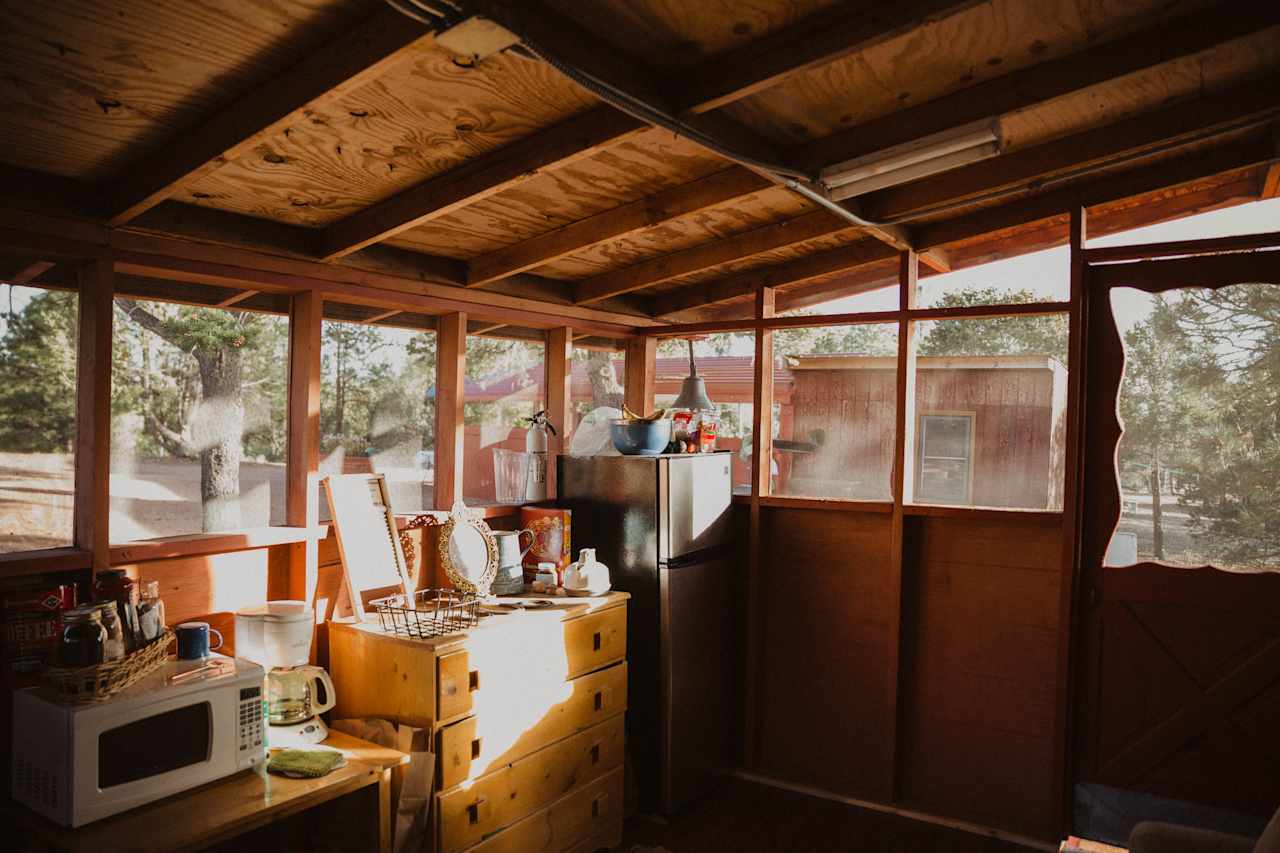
(193, 640)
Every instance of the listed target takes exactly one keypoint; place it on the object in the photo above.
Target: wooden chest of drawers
(526, 712)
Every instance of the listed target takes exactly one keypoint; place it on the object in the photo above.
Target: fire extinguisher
(535, 444)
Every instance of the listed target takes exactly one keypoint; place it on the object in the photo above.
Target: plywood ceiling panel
(1212, 70)
(715, 223)
(90, 85)
(621, 173)
(424, 117)
(765, 259)
(674, 34)
(986, 41)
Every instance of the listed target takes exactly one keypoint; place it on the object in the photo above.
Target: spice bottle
(115, 585)
(113, 645)
(83, 637)
(151, 612)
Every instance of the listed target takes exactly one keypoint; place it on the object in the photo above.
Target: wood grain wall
(980, 638)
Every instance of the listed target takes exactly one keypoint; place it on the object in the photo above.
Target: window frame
(971, 417)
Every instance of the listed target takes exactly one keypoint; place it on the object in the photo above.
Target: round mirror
(468, 552)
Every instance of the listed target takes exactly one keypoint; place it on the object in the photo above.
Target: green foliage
(1027, 335)
(37, 376)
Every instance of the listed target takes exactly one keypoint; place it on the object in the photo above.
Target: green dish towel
(304, 763)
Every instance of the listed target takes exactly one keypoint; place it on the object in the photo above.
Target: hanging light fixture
(693, 392)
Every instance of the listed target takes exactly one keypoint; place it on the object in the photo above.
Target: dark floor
(745, 817)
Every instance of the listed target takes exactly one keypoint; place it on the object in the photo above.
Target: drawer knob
(599, 700)
(475, 749)
(473, 813)
(595, 642)
(595, 753)
(595, 807)
(473, 680)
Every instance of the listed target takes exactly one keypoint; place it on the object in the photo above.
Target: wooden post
(559, 366)
(761, 466)
(302, 485)
(640, 369)
(451, 373)
(903, 473)
(1072, 490)
(93, 411)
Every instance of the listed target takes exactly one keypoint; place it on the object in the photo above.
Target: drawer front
(376, 676)
(477, 745)
(584, 821)
(596, 640)
(535, 662)
(469, 815)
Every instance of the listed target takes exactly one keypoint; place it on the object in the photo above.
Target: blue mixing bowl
(641, 438)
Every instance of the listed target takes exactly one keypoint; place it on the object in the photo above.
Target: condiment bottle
(115, 585)
(151, 612)
(113, 645)
(83, 637)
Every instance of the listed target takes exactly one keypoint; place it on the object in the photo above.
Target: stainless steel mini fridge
(661, 524)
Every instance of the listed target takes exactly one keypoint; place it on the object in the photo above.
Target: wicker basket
(81, 685)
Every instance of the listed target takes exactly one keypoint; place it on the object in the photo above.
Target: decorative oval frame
(481, 586)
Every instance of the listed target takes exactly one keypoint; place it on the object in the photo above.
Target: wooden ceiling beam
(1191, 121)
(239, 297)
(664, 206)
(1159, 44)
(27, 272)
(1167, 173)
(744, 284)
(357, 56)
(809, 226)
(476, 179)
(846, 29)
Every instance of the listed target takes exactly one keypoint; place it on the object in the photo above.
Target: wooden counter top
(218, 811)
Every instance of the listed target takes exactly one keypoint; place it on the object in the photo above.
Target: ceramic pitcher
(510, 578)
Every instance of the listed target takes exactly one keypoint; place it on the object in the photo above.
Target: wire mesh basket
(428, 613)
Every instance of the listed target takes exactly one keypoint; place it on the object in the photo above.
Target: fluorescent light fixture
(929, 155)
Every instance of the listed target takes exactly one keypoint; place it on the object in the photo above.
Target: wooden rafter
(239, 297)
(846, 29)
(1196, 120)
(354, 58)
(665, 267)
(1270, 183)
(1167, 173)
(27, 273)
(793, 272)
(1021, 89)
(720, 187)
(479, 178)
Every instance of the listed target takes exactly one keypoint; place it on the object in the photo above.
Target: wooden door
(1179, 668)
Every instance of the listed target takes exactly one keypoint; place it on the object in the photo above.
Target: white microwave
(78, 763)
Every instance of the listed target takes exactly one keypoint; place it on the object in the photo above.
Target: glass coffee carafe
(295, 694)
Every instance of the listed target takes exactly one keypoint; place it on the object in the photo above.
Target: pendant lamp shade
(693, 392)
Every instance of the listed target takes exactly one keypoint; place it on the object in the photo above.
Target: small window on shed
(946, 458)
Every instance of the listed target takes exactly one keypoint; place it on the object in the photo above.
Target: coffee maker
(277, 635)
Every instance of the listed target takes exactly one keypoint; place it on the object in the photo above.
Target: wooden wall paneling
(357, 56)
(451, 377)
(1072, 510)
(640, 369)
(93, 411)
(821, 700)
(901, 489)
(302, 484)
(979, 716)
(559, 369)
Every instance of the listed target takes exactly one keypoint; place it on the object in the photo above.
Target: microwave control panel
(251, 733)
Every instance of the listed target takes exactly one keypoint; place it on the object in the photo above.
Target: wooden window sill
(976, 512)
(21, 563)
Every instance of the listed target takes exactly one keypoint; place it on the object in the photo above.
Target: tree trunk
(216, 433)
(605, 388)
(1157, 521)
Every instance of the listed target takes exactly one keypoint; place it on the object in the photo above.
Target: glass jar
(151, 612)
(114, 645)
(115, 585)
(83, 639)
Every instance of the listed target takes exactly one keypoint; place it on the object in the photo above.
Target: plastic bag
(594, 436)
